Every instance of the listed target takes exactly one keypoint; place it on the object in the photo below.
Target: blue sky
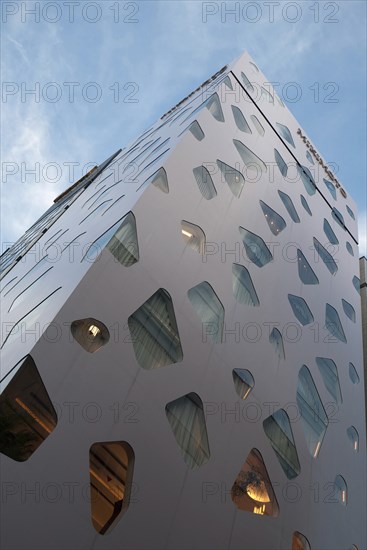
(142, 58)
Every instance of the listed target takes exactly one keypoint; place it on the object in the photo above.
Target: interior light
(93, 331)
(186, 233)
(317, 450)
(257, 491)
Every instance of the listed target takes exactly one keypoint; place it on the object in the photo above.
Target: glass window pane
(275, 222)
(193, 236)
(325, 256)
(307, 179)
(252, 161)
(331, 188)
(329, 373)
(255, 247)
(259, 127)
(341, 490)
(281, 163)
(305, 205)
(330, 233)
(276, 339)
(350, 212)
(333, 324)
(349, 248)
(285, 133)
(313, 416)
(243, 382)
(353, 438)
(353, 375)
(154, 332)
(186, 418)
(300, 309)
(233, 178)
(299, 542)
(357, 284)
(278, 429)
(349, 310)
(305, 272)
(288, 203)
(209, 309)
(204, 182)
(243, 288)
(240, 120)
(246, 82)
(214, 107)
(90, 334)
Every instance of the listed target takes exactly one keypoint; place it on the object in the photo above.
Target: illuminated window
(276, 339)
(255, 247)
(186, 418)
(325, 256)
(278, 429)
(305, 272)
(240, 120)
(353, 375)
(252, 161)
(330, 233)
(204, 182)
(305, 205)
(258, 126)
(209, 309)
(300, 309)
(252, 490)
(193, 236)
(349, 310)
(90, 334)
(288, 203)
(341, 490)
(111, 467)
(333, 324)
(243, 288)
(353, 438)
(27, 416)
(275, 222)
(299, 542)
(281, 163)
(329, 374)
(307, 179)
(314, 420)
(285, 133)
(233, 178)
(243, 382)
(154, 332)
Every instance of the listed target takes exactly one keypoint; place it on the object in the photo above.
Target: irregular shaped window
(305, 205)
(205, 182)
(243, 382)
(285, 133)
(209, 309)
(300, 309)
(353, 438)
(27, 416)
(186, 418)
(338, 217)
(305, 272)
(299, 542)
(333, 324)
(357, 284)
(160, 180)
(331, 188)
(329, 374)
(228, 83)
(251, 161)
(325, 256)
(330, 233)
(349, 248)
(281, 164)
(275, 222)
(252, 490)
(259, 127)
(288, 203)
(240, 120)
(341, 491)
(309, 157)
(276, 339)
(214, 107)
(266, 95)
(313, 416)
(349, 310)
(90, 334)
(278, 429)
(121, 240)
(256, 249)
(350, 212)
(247, 83)
(193, 236)
(255, 67)
(307, 179)
(233, 178)
(243, 288)
(196, 130)
(154, 332)
(353, 375)
(111, 468)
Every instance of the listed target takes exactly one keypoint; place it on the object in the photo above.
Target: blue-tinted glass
(350, 212)
(278, 429)
(285, 133)
(349, 248)
(240, 120)
(281, 163)
(300, 309)
(349, 310)
(357, 284)
(329, 373)
(331, 188)
(305, 205)
(255, 247)
(287, 201)
(333, 324)
(275, 222)
(330, 233)
(243, 288)
(307, 179)
(305, 271)
(338, 217)
(325, 256)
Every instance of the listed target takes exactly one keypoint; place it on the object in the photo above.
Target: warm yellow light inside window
(258, 492)
(93, 331)
(259, 509)
(186, 233)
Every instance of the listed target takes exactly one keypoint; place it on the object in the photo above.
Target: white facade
(212, 225)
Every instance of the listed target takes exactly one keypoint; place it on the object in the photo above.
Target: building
(181, 344)
(363, 278)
